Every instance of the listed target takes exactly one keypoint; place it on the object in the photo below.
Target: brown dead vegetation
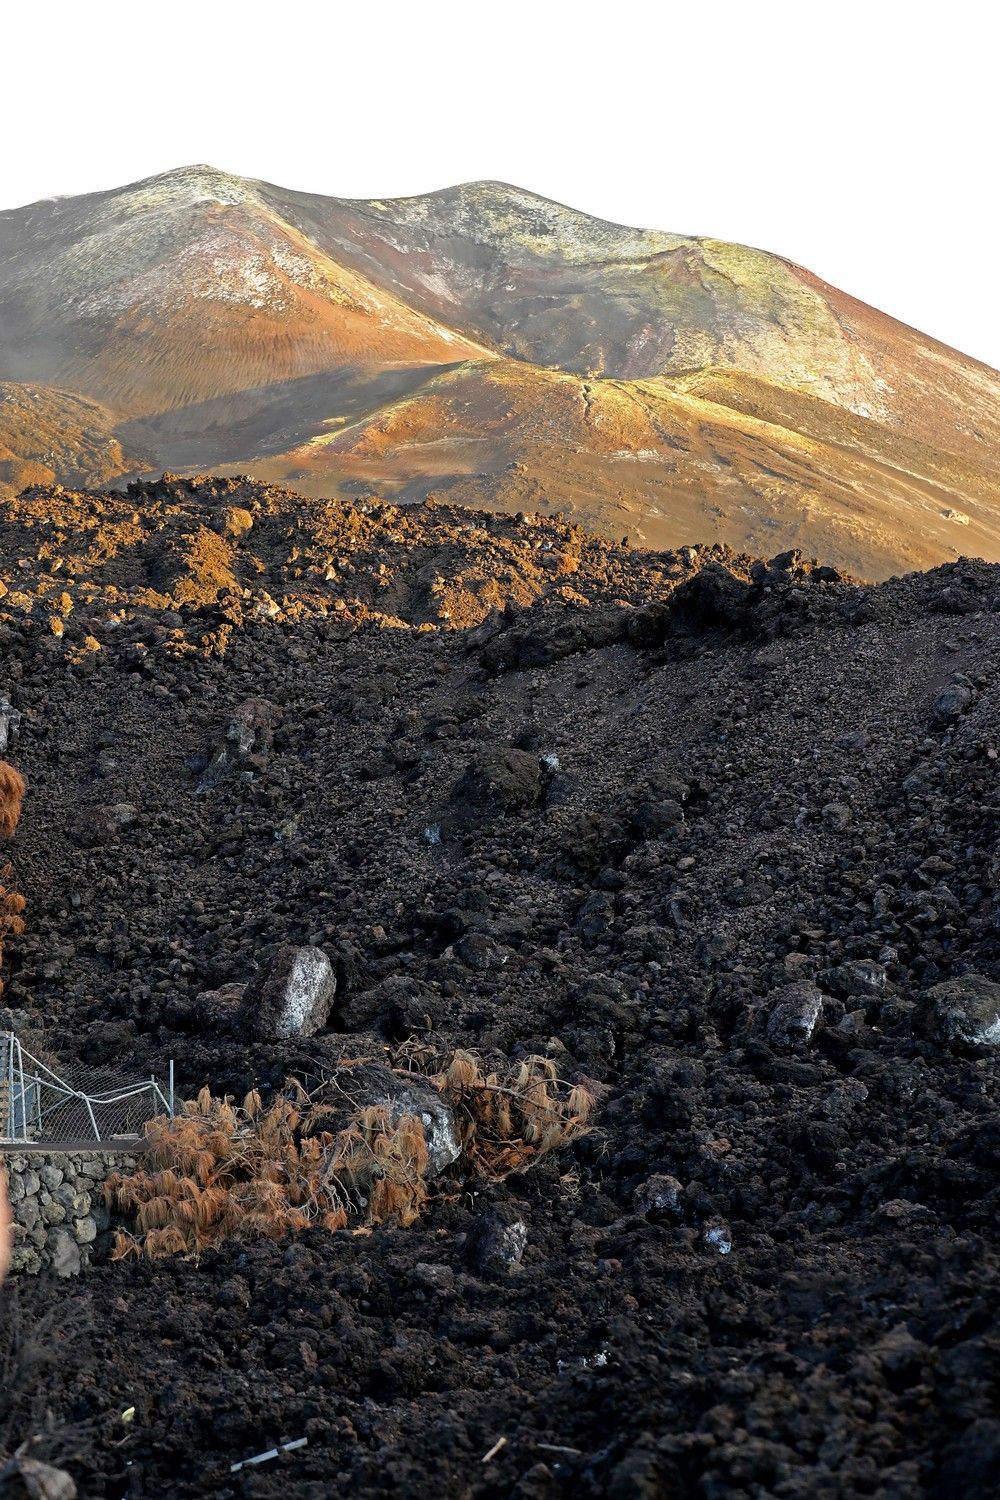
(507, 1120)
(12, 790)
(383, 1165)
(220, 1171)
(12, 904)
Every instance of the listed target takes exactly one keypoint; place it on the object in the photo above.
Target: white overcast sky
(859, 139)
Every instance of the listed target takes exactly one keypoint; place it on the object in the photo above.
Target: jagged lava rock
(290, 996)
(498, 1240)
(500, 780)
(966, 1011)
(795, 1009)
(660, 1193)
(951, 702)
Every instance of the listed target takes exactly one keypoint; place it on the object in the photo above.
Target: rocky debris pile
(180, 563)
(705, 833)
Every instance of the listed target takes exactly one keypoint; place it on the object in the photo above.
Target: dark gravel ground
(712, 833)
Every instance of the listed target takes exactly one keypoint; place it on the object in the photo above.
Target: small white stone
(718, 1237)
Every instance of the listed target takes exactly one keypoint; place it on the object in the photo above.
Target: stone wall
(57, 1201)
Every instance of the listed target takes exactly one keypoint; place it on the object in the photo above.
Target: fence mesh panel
(56, 1102)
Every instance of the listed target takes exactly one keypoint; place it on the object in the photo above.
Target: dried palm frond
(12, 789)
(507, 1121)
(162, 1242)
(218, 1171)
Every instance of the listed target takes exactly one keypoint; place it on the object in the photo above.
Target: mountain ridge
(484, 342)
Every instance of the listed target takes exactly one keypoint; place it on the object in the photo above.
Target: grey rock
(65, 1253)
(951, 702)
(434, 1277)
(659, 1194)
(69, 1197)
(498, 1241)
(10, 722)
(480, 952)
(860, 978)
(965, 1012)
(438, 1119)
(93, 1168)
(27, 1212)
(718, 1237)
(85, 1230)
(291, 996)
(898, 1210)
(26, 1260)
(845, 1099)
(51, 1176)
(593, 920)
(836, 816)
(794, 1011)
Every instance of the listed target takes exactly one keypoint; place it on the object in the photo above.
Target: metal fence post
(8, 1124)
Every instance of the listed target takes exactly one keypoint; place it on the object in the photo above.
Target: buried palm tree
(219, 1171)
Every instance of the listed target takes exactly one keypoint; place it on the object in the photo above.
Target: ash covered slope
(486, 345)
(552, 286)
(734, 777)
(48, 435)
(186, 287)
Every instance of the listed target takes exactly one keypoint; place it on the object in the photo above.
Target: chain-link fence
(57, 1103)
